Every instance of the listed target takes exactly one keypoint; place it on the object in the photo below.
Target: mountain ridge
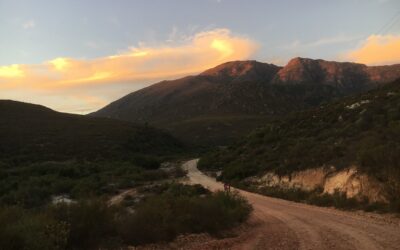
(244, 88)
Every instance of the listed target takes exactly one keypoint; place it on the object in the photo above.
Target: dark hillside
(363, 130)
(34, 133)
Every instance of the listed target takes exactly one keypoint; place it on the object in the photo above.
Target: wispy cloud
(93, 45)
(323, 41)
(377, 49)
(62, 76)
(29, 24)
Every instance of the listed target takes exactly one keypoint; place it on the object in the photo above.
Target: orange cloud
(59, 63)
(204, 50)
(12, 71)
(139, 65)
(377, 49)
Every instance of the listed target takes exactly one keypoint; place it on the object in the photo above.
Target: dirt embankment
(349, 181)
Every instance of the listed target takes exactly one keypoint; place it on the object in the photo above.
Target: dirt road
(290, 225)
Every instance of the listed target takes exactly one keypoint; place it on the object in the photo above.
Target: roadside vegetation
(318, 198)
(362, 130)
(94, 224)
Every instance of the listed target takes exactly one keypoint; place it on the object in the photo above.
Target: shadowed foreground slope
(31, 133)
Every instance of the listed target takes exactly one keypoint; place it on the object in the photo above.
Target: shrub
(32, 185)
(147, 162)
(162, 218)
(318, 198)
(239, 171)
(21, 229)
(292, 194)
(177, 189)
(91, 223)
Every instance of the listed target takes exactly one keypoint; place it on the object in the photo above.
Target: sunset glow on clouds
(84, 85)
(377, 50)
(64, 77)
(12, 71)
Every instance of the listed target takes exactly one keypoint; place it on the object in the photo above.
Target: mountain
(349, 76)
(360, 132)
(225, 102)
(31, 133)
(240, 71)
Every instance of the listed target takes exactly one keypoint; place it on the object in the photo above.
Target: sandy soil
(280, 224)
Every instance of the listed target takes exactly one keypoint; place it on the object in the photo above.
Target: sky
(79, 55)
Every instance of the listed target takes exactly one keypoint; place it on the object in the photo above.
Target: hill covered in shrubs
(93, 224)
(31, 133)
(44, 153)
(362, 130)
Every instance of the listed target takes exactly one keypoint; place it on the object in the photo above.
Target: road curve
(290, 225)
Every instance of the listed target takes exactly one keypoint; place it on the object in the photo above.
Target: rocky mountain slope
(352, 77)
(229, 100)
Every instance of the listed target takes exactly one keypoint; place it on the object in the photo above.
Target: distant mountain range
(225, 102)
(30, 133)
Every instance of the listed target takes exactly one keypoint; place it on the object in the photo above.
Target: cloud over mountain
(377, 49)
(137, 65)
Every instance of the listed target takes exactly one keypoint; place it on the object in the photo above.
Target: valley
(200, 125)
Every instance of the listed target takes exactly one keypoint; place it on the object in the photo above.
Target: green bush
(147, 162)
(21, 229)
(177, 189)
(163, 217)
(338, 200)
(93, 224)
(239, 171)
(292, 194)
(32, 185)
(318, 198)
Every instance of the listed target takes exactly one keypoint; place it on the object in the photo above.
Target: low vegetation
(318, 198)
(44, 153)
(362, 130)
(93, 224)
(33, 185)
(32, 133)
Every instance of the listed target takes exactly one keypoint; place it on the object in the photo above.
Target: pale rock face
(355, 184)
(357, 104)
(348, 181)
(342, 181)
(309, 179)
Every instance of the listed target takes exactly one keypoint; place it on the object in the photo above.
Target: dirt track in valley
(288, 225)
